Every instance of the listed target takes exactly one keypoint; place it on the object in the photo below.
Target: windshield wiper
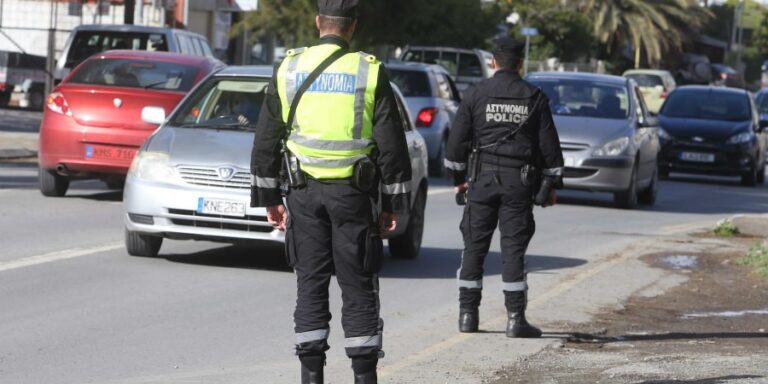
(156, 84)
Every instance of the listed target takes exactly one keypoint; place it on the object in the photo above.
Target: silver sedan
(609, 139)
(191, 179)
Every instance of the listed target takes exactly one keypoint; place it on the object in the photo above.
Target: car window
(431, 57)
(449, 61)
(184, 44)
(411, 83)
(205, 47)
(223, 103)
(87, 43)
(414, 56)
(444, 90)
(647, 80)
(707, 104)
(585, 98)
(134, 73)
(640, 107)
(469, 65)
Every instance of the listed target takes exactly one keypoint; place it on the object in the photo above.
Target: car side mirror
(153, 115)
(649, 122)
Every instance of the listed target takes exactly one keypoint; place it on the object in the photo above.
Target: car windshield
(707, 104)
(86, 44)
(135, 73)
(411, 83)
(646, 80)
(223, 103)
(585, 98)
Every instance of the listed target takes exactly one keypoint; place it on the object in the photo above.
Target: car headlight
(740, 138)
(154, 166)
(664, 134)
(613, 148)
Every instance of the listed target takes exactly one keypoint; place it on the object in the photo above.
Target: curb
(752, 225)
(16, 153)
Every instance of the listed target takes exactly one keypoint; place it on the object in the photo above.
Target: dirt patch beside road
(711, 329)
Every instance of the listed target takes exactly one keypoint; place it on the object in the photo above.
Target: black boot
(469, 320)
(517, 326)
(312, 369)
(364, 368)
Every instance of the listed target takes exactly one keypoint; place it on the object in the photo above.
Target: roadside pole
(528, 32)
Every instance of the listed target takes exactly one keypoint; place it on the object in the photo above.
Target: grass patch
(726, 228)
(757, 258)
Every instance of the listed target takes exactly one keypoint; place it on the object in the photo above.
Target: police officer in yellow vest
(345, 147)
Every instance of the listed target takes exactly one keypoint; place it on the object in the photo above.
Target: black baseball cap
(509, 46)
(338, 8)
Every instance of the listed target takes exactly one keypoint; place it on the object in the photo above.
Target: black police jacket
(509, 121)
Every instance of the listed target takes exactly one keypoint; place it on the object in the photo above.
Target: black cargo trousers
(333, 227)
(496, 197)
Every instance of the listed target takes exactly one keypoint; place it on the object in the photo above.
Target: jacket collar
(336, 40)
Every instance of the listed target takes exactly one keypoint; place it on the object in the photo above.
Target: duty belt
(488, 167)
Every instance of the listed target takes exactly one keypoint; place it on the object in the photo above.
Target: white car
(191, 179)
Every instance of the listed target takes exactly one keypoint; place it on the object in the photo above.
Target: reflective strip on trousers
(396, 188)
(360, 89)
(515, 287)
(455, 166)
(470, 284)
(328, 163)
(330, 145)
(363, 341)
(553, 171)
(264, 182)
(318, 334)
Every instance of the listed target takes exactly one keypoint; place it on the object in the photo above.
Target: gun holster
(530, 176)
(365, 176)
(293, 173)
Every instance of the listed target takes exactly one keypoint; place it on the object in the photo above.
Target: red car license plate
(109, 153)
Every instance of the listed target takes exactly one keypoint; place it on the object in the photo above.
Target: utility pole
(129, 10)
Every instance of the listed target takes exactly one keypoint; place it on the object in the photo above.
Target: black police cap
(510, 46)
(339, 8)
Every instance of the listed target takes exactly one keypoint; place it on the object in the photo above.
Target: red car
(93, 121)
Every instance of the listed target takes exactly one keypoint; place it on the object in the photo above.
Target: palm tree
(653, 27)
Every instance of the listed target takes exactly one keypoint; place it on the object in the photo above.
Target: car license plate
(698, 157)
(102, 152)
(220, 207)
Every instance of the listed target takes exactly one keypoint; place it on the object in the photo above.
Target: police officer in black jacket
(503, 138)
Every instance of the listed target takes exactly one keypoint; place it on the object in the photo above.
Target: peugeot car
(192, 180)
(608, 136)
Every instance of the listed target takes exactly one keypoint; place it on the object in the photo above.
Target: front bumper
(598, 174)
(172, 208)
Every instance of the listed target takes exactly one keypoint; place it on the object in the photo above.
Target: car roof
(610, 79)
(412, 65)
(440, 48)
(709, 88)
(125, 28)
(158, 56)
(247, 71)
(659, 72)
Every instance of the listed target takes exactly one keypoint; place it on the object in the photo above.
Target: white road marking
(57, 256)
(439, 191)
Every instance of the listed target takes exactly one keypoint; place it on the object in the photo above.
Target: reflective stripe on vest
(333, 127)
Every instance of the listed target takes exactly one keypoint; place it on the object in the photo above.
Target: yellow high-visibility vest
(333, 126)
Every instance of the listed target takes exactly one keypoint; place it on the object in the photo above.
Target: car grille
(571, 147)
(210, 177)
(249, 223)
(578, 173)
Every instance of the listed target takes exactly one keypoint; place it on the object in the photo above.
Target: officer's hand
(387, 223)
(461, 188)
(552, 200)
(277, 216)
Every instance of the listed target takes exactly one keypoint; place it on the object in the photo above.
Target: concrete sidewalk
(18, 145)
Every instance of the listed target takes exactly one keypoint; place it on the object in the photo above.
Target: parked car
(655, 85)
(608, 137)
(713, 130)
(87, 40)
(725, 76)
(23, 75)
(761, 103)
(431, 96)
(192, 180)
(92, 125)
(467, 66)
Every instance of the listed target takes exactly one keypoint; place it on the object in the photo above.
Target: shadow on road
(587, 338)
(439, 263)
(711, 380)
(263, 255)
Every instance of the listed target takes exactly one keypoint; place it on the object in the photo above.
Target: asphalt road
(77, 309)
(19, 120)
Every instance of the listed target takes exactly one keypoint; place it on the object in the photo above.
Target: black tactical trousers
(496, 198)
(333, 228)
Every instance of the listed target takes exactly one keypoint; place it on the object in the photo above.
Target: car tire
(627, 199)
(52, 184)
(138, 244)
(761, 176)
(749, 179)
(408, 245)
(437, 166)
(648, 195)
